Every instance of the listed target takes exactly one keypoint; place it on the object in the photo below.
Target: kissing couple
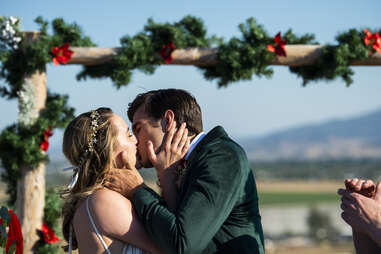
(208, 201)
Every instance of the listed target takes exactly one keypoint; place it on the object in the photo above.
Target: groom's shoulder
(218, 145)
(218, 139)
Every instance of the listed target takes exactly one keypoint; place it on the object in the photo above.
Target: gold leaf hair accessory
(93, 131)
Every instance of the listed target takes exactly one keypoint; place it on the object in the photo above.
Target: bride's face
(125, 146)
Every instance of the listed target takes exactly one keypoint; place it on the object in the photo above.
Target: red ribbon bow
(45, 143)
(166, 52)
(279, 48)
(62, 54)
(373, 39)
(49, 235)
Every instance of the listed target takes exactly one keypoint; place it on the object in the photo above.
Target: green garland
(238, 59)
(241, 58)
(335, 60)
(52, 215)
(141, 51)
(20, 146)
(32, 57)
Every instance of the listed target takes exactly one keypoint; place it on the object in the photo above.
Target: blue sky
(249, 108)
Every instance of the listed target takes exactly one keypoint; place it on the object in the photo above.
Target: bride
(96, 219)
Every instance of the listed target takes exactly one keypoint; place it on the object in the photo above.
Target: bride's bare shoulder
(111, 211)
(108, 199)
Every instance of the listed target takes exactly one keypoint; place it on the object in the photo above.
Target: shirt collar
(194, 143)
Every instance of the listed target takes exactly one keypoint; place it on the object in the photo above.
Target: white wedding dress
(127, 248)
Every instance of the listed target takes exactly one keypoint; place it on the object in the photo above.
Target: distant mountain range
(354, 138)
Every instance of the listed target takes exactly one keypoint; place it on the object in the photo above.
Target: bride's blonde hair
(93, 165)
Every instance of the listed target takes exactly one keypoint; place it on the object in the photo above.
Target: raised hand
(174, 147)
(363, 187)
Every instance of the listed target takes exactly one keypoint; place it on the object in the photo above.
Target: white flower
(8, 32)
(17, 39)
(13, 20)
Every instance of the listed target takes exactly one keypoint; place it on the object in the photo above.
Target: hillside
(354, 138)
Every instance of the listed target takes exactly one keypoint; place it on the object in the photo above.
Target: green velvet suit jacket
(217, 207)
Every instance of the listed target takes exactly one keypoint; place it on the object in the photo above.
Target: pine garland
(241, 58)
(31, 57)
(52, 215)
(335, 60)
(141, 51)
(20, 145)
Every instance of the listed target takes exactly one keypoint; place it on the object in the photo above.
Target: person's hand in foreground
(363, 214)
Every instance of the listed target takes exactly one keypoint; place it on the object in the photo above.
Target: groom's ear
(169, 118)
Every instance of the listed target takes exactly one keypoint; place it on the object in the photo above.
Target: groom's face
(145, 128)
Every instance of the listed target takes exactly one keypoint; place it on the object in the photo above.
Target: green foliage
(52, 215)
(48, 249)
(53, 209)
(141, 51)
(287, 198)
(238, 59)
(335, 60)
(31, 57)
(241, 58)
(20, 146)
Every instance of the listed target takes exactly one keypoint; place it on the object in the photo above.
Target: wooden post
(31, 186)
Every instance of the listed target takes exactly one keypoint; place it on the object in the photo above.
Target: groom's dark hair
(181, 102)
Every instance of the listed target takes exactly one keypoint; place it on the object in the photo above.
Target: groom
(217, 203)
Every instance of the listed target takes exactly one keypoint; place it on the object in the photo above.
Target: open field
(307, 186)
(297, 192)
(287, 198)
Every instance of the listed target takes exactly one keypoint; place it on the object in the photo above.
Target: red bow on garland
(45, 143)
(49, 235)
(62, 54)
(373, 39)
(279, 48)
(166, 52)
(14, 234)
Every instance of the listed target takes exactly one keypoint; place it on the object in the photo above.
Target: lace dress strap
(95, 228)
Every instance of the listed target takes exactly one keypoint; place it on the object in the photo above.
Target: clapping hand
(361, 205)
(363, 187)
